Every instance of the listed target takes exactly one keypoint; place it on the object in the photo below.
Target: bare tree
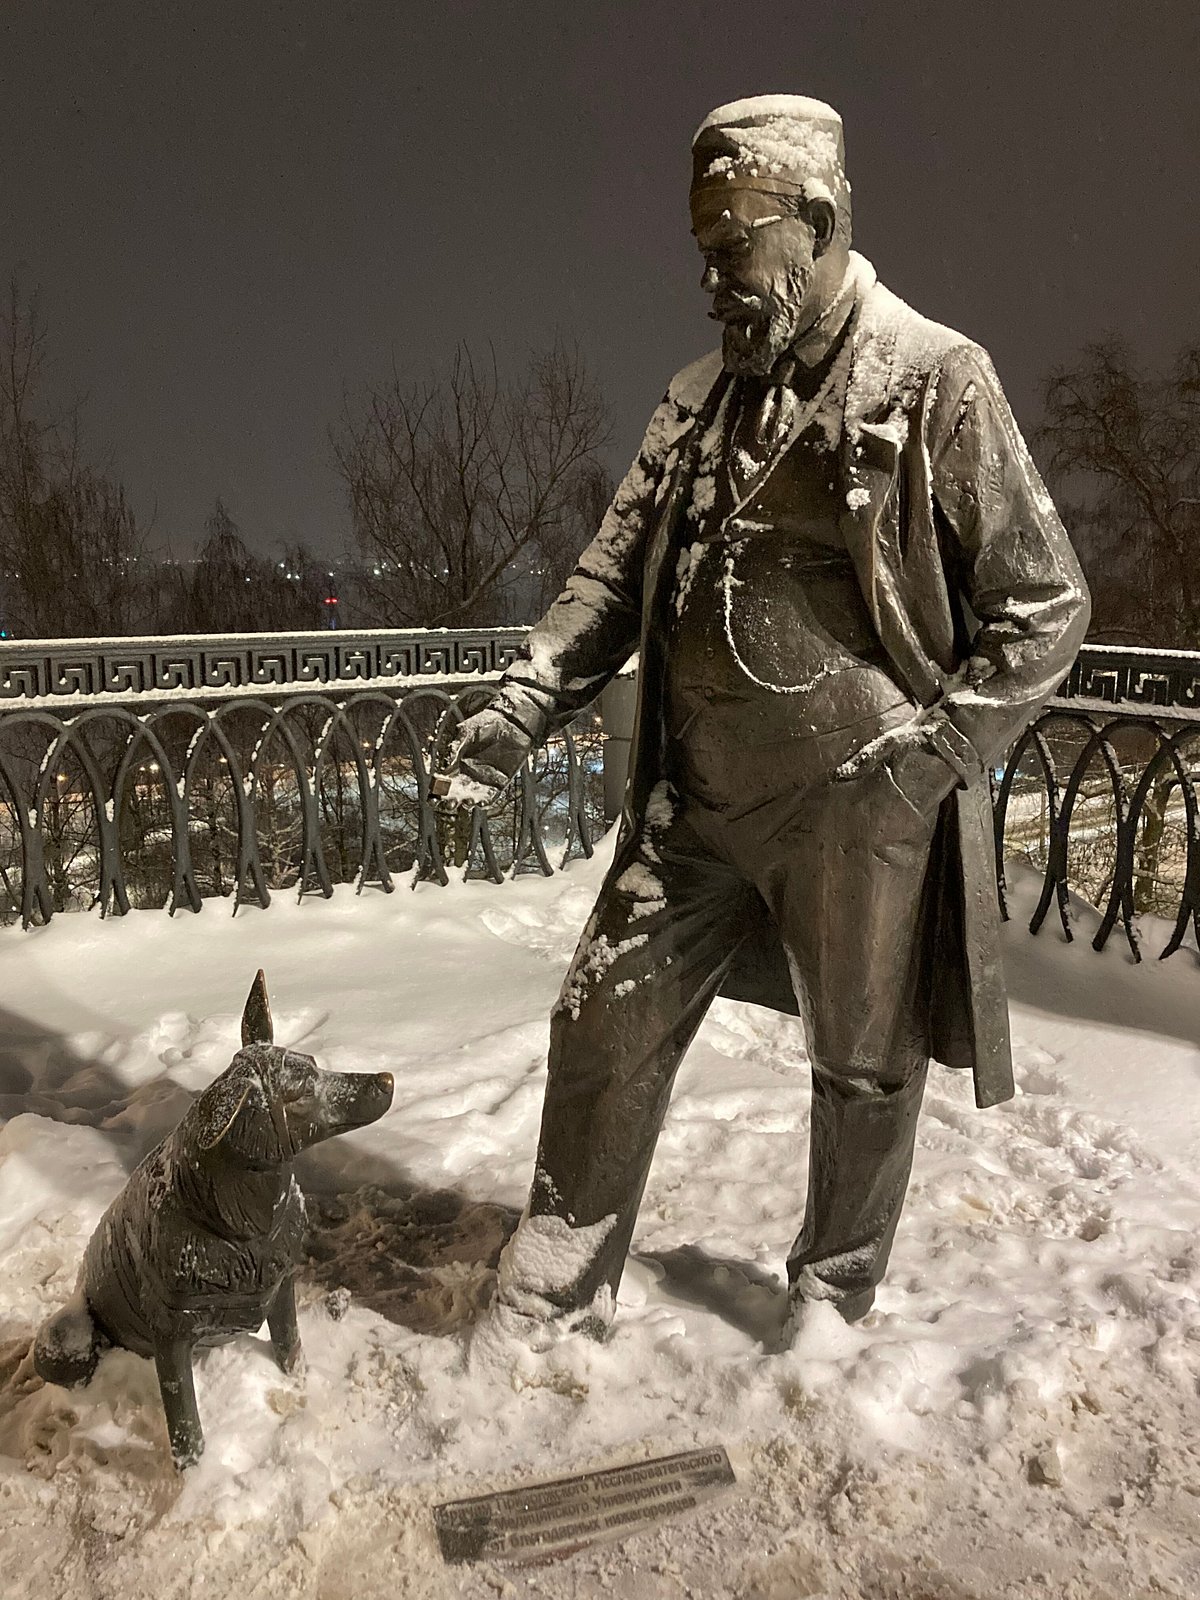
(76, 564)
(471, 497)
(73, 557)
(1124, 451)
(229, 589)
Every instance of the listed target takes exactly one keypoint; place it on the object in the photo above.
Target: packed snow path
(1018, 1417)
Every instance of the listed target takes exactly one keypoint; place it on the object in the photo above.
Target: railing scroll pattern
(179, 802)
(1155, 682)
(1121, 792)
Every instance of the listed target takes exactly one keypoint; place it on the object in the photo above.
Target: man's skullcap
(785, 143)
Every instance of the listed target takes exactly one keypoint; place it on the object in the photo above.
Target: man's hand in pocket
(905, 753)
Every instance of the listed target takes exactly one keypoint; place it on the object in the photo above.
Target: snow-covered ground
(1018, 1417)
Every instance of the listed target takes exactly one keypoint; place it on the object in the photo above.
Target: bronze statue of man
(849, 590)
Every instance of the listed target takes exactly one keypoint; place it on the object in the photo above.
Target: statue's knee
(867, 1075)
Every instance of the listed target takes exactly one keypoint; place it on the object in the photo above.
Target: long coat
(967, 573)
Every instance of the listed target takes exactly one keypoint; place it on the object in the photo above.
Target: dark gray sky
(234, 208)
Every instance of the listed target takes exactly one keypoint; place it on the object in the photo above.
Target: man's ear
(822, 219)
(219, 1116)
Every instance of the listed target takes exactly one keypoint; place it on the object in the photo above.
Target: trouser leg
(860, 1155)
(666, 926)
(850, 892)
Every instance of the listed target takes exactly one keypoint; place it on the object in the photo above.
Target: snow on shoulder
(691, 385)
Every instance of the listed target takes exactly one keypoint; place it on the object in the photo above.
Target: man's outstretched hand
(489, 753)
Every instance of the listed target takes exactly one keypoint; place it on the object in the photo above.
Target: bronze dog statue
(202, 1242)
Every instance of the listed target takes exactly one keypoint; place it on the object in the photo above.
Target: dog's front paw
(187, 1446)
(291, 1360)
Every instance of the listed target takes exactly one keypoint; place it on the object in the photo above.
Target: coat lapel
(679, 478)
(874, 435)
(870, 452)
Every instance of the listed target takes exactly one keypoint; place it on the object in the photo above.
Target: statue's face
(759, 269)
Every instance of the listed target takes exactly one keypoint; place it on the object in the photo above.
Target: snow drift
(1018, 1417)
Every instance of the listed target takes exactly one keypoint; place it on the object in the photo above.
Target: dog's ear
(219, 1107)
(257, 1027)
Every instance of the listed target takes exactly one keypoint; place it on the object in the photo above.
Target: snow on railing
(161, 772)
(1164, 681)
(65, 672)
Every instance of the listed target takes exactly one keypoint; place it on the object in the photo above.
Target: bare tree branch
(228, 589)
(1124, 452)
(73, 556)
(472, 497)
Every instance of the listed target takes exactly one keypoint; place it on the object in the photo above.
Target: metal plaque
(540, 1521)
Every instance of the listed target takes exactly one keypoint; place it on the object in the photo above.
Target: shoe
(502, 1329)
(851, 1308)
(854, 1307)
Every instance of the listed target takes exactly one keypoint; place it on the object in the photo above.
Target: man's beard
(750, 349)
(756, 337)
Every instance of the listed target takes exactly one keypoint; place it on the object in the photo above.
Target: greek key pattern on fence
(182, 801)
(1164, 679)
(74, 669)
(71, 670)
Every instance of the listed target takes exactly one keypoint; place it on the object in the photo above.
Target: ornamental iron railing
(1105, 808)
(163, 772)
(170, 805)
(1165, 683)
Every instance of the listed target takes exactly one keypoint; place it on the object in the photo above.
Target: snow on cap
(792, 107)
(781, 143)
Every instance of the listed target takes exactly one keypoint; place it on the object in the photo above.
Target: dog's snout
(385, 1081)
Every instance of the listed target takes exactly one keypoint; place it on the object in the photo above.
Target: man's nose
(710, 282)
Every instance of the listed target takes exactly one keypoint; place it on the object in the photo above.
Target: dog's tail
(69, 1344)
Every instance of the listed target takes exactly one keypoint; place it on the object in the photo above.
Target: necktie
(763, 420)
(768, 416)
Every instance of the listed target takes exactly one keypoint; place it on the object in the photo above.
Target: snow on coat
(970, 579)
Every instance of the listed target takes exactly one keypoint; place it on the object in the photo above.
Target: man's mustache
(729, 304)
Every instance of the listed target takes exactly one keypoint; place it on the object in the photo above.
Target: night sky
(235, 209)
